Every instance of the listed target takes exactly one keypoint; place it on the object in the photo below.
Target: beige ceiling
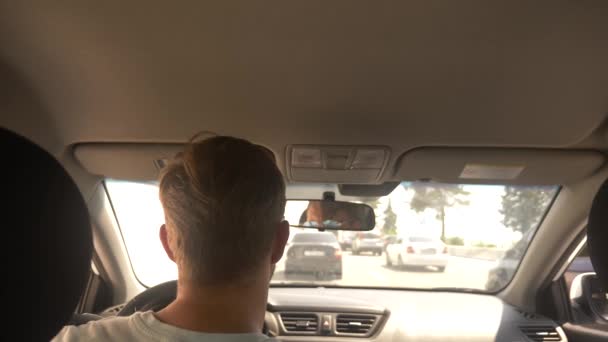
(403, 74)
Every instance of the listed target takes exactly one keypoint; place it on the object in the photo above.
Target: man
(315, 214)
(224, 200)
(346, 218)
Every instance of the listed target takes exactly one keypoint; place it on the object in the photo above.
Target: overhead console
(336, 164)
(497, 165)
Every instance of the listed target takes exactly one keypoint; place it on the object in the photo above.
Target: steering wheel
(154, 298)
(158, 297)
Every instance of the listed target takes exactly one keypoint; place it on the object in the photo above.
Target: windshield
(462, 236)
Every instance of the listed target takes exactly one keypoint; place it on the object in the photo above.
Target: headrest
(597, 234)
(47, 243)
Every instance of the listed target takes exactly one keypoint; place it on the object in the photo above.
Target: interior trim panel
(404, 315)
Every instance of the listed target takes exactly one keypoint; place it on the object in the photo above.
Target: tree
(523, 207)
(437, 197)
(390, 220)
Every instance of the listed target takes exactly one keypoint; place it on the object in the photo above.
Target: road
(368, 270)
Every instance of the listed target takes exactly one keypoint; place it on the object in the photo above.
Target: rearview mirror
(330, 215)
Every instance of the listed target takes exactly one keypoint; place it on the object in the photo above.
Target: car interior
(376, 103)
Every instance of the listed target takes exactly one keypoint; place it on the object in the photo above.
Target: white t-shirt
(144, 326)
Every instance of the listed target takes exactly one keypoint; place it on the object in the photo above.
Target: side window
(580, 264)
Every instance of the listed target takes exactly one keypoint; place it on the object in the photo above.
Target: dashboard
(346, 314)
(385, 315)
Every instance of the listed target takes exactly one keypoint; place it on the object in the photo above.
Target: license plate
(314, 253)
(429, 251)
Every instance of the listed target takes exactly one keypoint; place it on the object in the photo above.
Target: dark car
(314, 253)
(368, 242)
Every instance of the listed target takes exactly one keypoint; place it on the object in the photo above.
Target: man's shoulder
(143, 326)
(107, 329)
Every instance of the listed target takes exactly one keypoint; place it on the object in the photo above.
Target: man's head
(224, 200)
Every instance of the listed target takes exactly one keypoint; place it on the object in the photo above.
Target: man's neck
(218, 309)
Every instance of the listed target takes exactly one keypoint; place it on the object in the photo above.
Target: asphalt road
(368, 270)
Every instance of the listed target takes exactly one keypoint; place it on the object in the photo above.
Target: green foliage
(454, 241)
(523, 207)
(390, 220)
(437, 197)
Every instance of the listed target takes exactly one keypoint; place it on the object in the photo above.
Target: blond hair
(223, 198)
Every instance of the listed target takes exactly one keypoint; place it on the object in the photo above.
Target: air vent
(297, 322)
(355, 324)
(541, 333)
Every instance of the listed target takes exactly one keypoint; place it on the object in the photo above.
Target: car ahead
(345, 238)
(316, 253)
(418, 251)
(367, 242)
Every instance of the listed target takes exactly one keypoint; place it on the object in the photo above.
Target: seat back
(597, 234)
(47, 243)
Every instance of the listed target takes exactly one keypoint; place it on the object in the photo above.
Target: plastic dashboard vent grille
(300, 322)
(541, 333)
(355, 324)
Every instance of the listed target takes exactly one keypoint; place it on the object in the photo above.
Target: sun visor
(133, 161)
(498, 166)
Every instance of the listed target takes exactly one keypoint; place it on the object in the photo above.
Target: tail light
(445, 250)
(338, 253)
(410, 250)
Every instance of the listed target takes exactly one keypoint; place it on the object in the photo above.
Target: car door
(392, 250)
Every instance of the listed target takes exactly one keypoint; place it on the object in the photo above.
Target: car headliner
(399, 74)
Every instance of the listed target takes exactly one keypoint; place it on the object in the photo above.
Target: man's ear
(280, 240)
(164, 239)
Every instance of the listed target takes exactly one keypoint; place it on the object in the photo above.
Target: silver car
(368, 242)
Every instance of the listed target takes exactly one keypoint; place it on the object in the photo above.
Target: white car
(417, 251)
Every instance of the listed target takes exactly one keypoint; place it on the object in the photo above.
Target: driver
(224, 200)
